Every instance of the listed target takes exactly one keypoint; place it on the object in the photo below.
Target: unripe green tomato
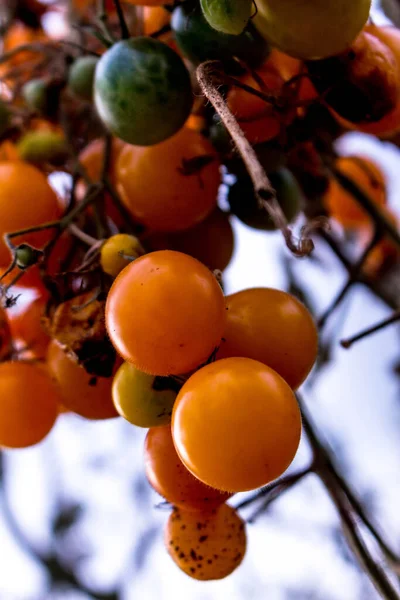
(244, 204)
(142, 91)
(26, 256)
(5, 117)
(199, 42)
(227, 16)
(42, 146)
(311, 29)
(143, 400)
(81, 77)
(35, 94)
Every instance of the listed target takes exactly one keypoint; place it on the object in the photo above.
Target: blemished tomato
(171, 479)
(29, 404)
(236, 424)
(211, 241)
(87, 395)
(165, 313)
(170, 186)
(143, 400)
(26, 325)
(341, 205)
(206, 546)
(26, 200)
(273, 327)
(142, 91)
(118, 251)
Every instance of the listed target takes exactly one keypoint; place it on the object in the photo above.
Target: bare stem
(394, 318)
(210, 76)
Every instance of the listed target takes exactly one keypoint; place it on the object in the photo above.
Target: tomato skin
(165, 313)
(171, 479)
(29, 404)
(137, 398)
(365, 173)
(27, 326)
(273, 327)
(236, 424)
(81, 393)
(206, 546)
(176, 198)
(142, 91)
(26, 200)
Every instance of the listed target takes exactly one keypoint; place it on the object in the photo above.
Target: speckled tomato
(207, 546)
(142, 91)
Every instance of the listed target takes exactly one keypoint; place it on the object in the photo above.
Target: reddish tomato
(29, 404)
(206, 546)
(26, 325)
(165, 313)
(171, 479)
(172, 185)
(82, 393)
(26, 200)
(273, 327)
(367, 175)
(236, 424)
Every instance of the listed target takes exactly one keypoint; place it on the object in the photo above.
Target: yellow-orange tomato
(26, 200)
(165, 313)
(211, 241)
(236, 424)
(118, 251)
(29, 404)
(341, 205)
(390, 123)
(171, 479)
(82, 393)
(27, 326)
(154, 19)
(206, 546)
(273, 327)
(172, 185)
(259, 120)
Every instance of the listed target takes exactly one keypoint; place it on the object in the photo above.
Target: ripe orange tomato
(118, 251)
(26, 200)
(171, 479)
(211, 241)
(27, 326)
(206, 546)
(341, 205)
(82, 393)
(29, 404)
(154, 19)
(236, 424)
(172, 185)
(165, 313)
(273, 327)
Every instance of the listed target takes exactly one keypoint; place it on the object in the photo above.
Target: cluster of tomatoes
(128, 317)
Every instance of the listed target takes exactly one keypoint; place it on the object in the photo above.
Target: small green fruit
(227, 16)
(81, 77)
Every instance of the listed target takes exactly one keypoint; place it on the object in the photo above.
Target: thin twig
(348, 342)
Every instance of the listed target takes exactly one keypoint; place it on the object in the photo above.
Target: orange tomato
(26, 200)
(206, 546)
(26, 325)
(5, 336)
(82, 393)
(341, 205)
(386, 252)
(18, 35)
(154, 19)
(236, 424)
(171, 479)
(29, 404)
(211, 241)
(172, 185)
(8, 151)
(273, 327)
(165, 313)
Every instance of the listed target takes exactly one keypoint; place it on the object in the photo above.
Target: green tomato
(81, 77)
(227, 16)
(42, 146)
(5, 117)
(200, 42)
(244, 205)
(142, 91)
(35, 94)
(143, 400)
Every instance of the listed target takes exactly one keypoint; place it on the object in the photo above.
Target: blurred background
(79, 502)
